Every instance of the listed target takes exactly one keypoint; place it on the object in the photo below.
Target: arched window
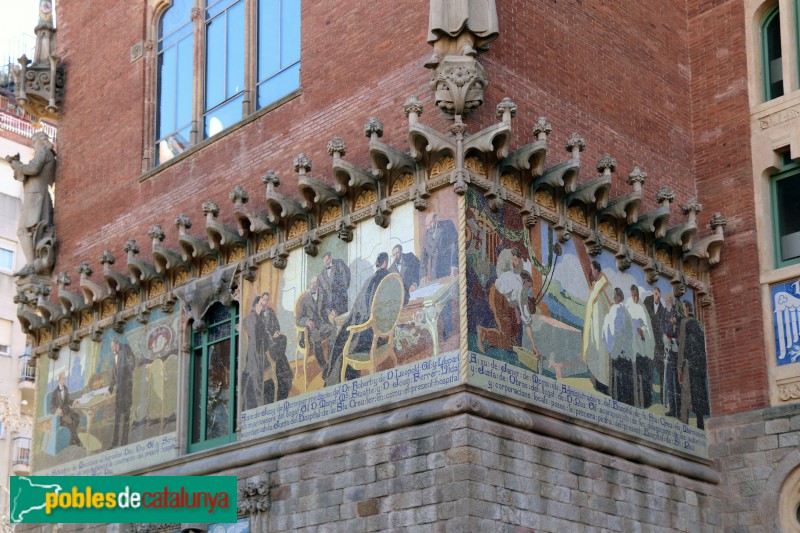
(212, 415)
(175, 59)
(247, 63)
(785, 197)
(771, 54)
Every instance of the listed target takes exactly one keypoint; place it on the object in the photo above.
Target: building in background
(462, 315)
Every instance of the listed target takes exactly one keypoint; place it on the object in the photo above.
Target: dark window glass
(772, 44)
(278, 49)
(787, 198)
(218, 390)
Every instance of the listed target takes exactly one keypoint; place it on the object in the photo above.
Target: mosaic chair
(384, 314)
(302, 343)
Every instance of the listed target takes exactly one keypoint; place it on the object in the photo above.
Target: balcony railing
(22, 451)
(17, 121)
(27, 372)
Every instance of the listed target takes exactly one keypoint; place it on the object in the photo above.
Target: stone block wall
(755, 452)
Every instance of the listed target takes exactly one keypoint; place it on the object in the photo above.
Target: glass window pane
(218, 313)
(167, 84)
(269, 38)
(218, 390)
(215, 62)
(216, 7)
(235, 53)
(290, 32)
(183, 114)
(279, 86)
(172, 145)
(787, 194)
(774, 67)
(197, 397)
(175, 16)
(224, 116)
(6, 259)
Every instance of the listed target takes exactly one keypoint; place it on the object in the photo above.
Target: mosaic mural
(354, 326)
(109, 407)
(786, 322)
(554, 325)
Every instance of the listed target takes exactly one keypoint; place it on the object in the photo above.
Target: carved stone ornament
(253, 498)
(458, 85)
(200, 294)
(789, 391)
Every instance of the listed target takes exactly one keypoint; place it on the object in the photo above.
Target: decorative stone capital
(270, 179)
(373, 129)
(458, 85)
(506, 110)
(302, 164)
(636, 178)
(157, 233)
(575, 145)
(542, 129)
(84, 269)
(606, 164)
(239, 196)
(337, 148)
(211, 208)
(718, 222)
(183, 222)
(130, 247)
(412, 109)
(105, 259)
(665, 195)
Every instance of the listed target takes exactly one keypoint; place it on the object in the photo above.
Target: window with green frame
(213, 385)
(785, 195)
(771, 54)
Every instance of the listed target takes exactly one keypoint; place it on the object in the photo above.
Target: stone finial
(63, 280)
(718, 222)
(606, 164)
(575, 145)
(412, 109)
(337, 148)
(542, 129)
(302, 164)
(665, 196)
(183, 222)
(373, 129)
(506, 110)
(239, 196)
(130, 247)
(271, 180)
(156, 233)
(84, 269)
(692, 208)
(42, 290)
(107, 258)
(210, 208)
(636, 178)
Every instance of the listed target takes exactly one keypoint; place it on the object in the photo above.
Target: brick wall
(722, 166)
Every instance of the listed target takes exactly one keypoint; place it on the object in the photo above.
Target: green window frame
(213, 382)
(771, 54)
(780, 206)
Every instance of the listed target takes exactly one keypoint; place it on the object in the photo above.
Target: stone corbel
(316, 195)
(458, 84)
(48, 311)
(710, 247)
(494, 139)
(29, 320)
(141, 271)
(352, 181)
(249, 221)
(167, 261)
(74, 342)
(656, 222)
(426, 143)
(221, 237)
(118, 283)
(193, 249)
(70, 302)
(528, 161)
(563, 228)
(682, 235)
(653, 271)
(198, 295)
(595, 191)
(624, 260)
(281, 209)
(594, 243)
(678, 281)
(626, 207)
(93, 293)
(386, 158)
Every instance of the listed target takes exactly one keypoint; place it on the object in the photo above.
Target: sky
(17, 20)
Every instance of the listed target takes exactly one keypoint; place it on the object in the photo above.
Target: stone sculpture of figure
(460, 27)
(36, 217)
